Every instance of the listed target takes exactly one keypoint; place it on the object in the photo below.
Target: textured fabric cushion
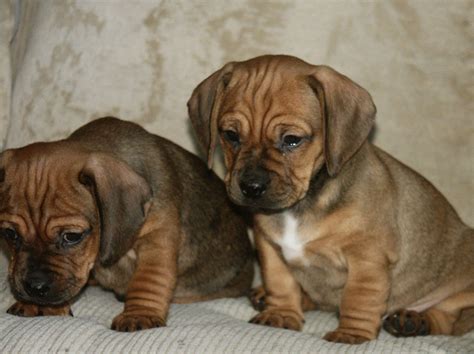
(72, 61)
(6, 34)
(218, 326)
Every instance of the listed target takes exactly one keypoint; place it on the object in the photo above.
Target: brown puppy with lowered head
(148, 218)
(338, 222)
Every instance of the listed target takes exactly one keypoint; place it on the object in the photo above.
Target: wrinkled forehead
(270, 90)
(39, 182)
(273, 75)
(35, 162)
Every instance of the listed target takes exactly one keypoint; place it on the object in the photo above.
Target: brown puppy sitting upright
(151, 221)
(338, 222)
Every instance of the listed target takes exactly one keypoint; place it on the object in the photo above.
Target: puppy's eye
(10, 234)
(291, 141)
(231, 136)
(72, 238)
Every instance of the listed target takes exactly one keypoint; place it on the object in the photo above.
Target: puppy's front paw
(32, 310)
(404, 323)
(286, 319)
(341, 337)
(136, 322)
(22, 309)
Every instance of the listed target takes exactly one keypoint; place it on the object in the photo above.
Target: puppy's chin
(54, 300)
(56, 296)
(265, 203)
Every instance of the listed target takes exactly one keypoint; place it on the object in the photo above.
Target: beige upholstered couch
(63, 63)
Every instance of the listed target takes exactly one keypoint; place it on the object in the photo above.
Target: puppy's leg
(364, 298)
(31, 310)
(465, 323)
(152, 285)
(257, 298)
(283, 293)
(442, 318)
(451, 316)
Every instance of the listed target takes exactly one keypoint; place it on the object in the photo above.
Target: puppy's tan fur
(158, 225)
(339, 219)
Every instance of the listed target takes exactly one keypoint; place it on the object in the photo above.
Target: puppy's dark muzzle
(252, 190)
(37, 285)
(253, 184)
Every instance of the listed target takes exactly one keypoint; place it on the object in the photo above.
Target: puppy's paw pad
(281, 319)
(404, 323)
(131, 323)
(341, 337)
(257, 298)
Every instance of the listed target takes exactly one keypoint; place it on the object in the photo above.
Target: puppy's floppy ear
(204, 106)
(348, 115)
(121, 197)
(4, 158)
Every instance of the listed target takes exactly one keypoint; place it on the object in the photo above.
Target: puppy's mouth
(49, 300)
(48, 294)
(269, 201)
(255, 187)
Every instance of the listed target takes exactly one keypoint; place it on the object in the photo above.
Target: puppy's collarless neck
(317, 188)
(326, 193)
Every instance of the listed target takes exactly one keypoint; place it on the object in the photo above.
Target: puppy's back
(177, 176)
(150, 156)
(428, 222)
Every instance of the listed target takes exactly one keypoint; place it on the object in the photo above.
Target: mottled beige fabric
(6, 34)
(141, 59)
(72, 61)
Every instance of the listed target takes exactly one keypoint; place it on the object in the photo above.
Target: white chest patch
(291, 245)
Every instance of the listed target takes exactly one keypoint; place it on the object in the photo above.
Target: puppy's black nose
(254, 182)
(37, 285)
(252, 189)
